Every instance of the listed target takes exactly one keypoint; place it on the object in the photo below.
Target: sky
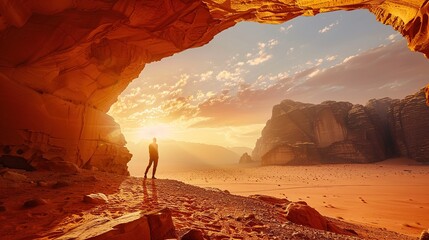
(223, 93)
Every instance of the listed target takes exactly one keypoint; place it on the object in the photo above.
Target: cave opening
(69, 62)
(217, 93)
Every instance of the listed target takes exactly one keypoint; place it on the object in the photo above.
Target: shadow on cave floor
(58, 205)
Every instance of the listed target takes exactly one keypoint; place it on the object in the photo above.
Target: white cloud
(331, 58)
(392, 85)
(272, 43)
(392, 37)
(286, 29)
(314, 73)
(258, 60)
(327, 28)
(206, 76)
(348, 58)
(262, 55)
(230, 78)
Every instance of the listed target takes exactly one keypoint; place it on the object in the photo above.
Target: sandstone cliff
(332, 132)
(63, 63)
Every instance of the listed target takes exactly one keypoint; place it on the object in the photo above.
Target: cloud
(386, 71)
(286, 29)
(392, 37)
(246, 106)
(227, 100)
(230, 78)
(205, 76)
(328, 28)
(331, 58)
(390, 70)
(262, 55)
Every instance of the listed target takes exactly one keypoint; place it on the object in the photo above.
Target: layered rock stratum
(340, 132)
(63, 63)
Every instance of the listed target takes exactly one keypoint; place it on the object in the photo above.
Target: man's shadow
(150, 196)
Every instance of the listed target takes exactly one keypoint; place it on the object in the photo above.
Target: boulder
(302, 214)
(132, 226)
(424, 235)
(95, 198)
(305, 215)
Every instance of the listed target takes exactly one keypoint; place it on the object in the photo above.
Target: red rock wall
(64, 62)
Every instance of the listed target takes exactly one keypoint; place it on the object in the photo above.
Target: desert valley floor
(386, 200)
(392, 194)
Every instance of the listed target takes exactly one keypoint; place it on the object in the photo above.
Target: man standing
(153, 158)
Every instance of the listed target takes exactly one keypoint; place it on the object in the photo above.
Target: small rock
(13, 176)
(193, 234)
(34, 203)
(61, 184)
(42, 184)
(424, 235)
(95, 198)
(91, 179)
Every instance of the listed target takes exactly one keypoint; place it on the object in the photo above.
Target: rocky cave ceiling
(63, 63)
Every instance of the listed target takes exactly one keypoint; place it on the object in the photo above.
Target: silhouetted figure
(153, 158)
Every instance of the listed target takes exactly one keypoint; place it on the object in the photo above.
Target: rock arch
(64, 62)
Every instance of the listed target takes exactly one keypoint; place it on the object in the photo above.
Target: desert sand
(392, 194)
(59, 206)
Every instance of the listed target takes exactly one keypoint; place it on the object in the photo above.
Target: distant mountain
(176, 155)
(241, 150)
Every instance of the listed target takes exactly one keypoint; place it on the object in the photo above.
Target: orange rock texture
(63, 63)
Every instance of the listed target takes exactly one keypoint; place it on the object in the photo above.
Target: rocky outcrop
(63, 63)
(137, 225)
(245, 158)
(339, 132)
(408, 119)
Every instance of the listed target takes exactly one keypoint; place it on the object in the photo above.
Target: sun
(161, 131)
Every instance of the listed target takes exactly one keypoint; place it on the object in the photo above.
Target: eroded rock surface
(63, 63)
(340, 132)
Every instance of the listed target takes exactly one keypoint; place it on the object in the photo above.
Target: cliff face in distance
(63, 63)
(340, 132)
